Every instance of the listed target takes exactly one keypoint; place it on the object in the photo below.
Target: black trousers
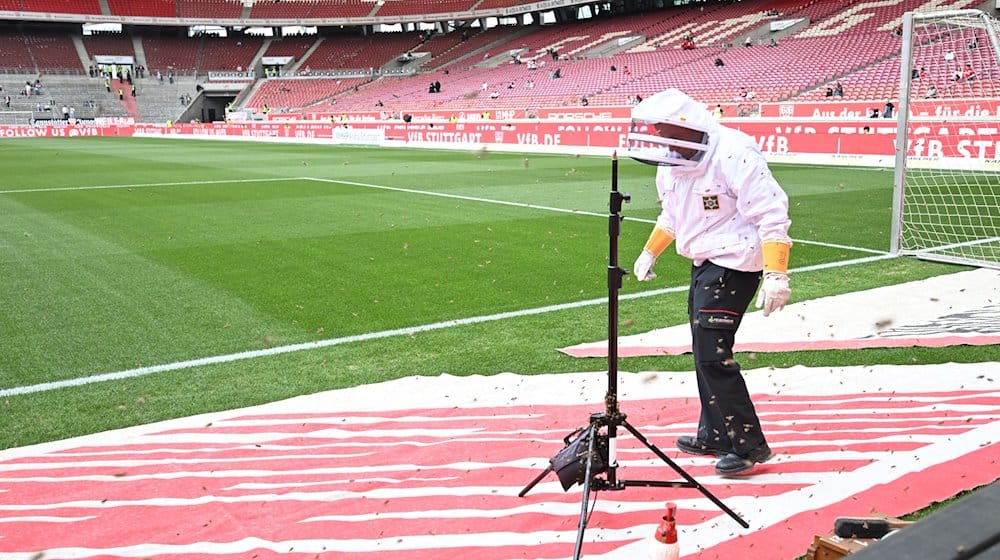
(717, 299)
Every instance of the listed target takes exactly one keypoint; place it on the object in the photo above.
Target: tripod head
(617, 198)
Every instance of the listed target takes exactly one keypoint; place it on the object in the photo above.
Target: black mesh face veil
(669, 128)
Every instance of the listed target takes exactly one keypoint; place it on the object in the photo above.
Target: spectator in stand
(748, 42)
(717, 112)
(932, 92)
(888, 109)
(829, 92)
(968, 73)
(874, 114)
(838, 89)
(719, 62)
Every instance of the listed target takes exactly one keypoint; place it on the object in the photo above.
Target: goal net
(16, 117)
(946, 203)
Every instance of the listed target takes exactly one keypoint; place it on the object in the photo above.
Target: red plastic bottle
(664, 545)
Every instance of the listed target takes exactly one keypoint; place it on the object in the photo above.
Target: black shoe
(732, 463)
(695, 446)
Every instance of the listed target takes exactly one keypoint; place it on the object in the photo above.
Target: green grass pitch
(320, 267)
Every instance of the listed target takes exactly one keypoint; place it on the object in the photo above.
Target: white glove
(774, 292)
(643, 267)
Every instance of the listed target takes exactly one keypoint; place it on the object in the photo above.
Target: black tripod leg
(690, 479)
(537, 479)
(582, 527)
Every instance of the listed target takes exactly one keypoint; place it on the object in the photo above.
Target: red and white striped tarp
(430, 468)
(947, 310)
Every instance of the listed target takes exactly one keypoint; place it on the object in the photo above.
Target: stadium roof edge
(508, 11)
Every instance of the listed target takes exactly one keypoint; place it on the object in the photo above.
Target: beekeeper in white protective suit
(730, 217)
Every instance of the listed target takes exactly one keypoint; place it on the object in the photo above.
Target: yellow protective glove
(775, 289)
(658, 240)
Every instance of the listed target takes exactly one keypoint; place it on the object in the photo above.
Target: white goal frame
(945, 207)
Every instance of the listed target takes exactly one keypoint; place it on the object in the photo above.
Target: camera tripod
(591, 451)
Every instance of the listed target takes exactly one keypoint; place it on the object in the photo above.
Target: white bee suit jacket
(724, 207)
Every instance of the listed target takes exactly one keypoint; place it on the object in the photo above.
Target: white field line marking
(550, 208)
(211, 360)
(138, 372)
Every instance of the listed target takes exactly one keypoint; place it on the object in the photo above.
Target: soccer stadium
(353, 279)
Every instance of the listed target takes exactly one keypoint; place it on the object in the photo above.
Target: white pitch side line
(138, 372)
(144, 185)
(551, 209)
(388, 188)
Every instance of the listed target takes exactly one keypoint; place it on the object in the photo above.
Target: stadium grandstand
(200, 60)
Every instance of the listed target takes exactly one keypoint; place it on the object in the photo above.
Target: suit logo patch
(710, 202)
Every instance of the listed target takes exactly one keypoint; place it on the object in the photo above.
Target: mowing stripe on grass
(138, 372)
(144, 185)
(388, 188)
(550, 208)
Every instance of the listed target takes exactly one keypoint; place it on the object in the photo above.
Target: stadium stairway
(127, 101)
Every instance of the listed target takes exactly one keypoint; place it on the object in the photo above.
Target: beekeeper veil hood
(670, 128)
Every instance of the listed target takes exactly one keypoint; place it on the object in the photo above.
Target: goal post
(946, 190)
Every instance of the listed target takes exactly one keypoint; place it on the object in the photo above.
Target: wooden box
(832, 547)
